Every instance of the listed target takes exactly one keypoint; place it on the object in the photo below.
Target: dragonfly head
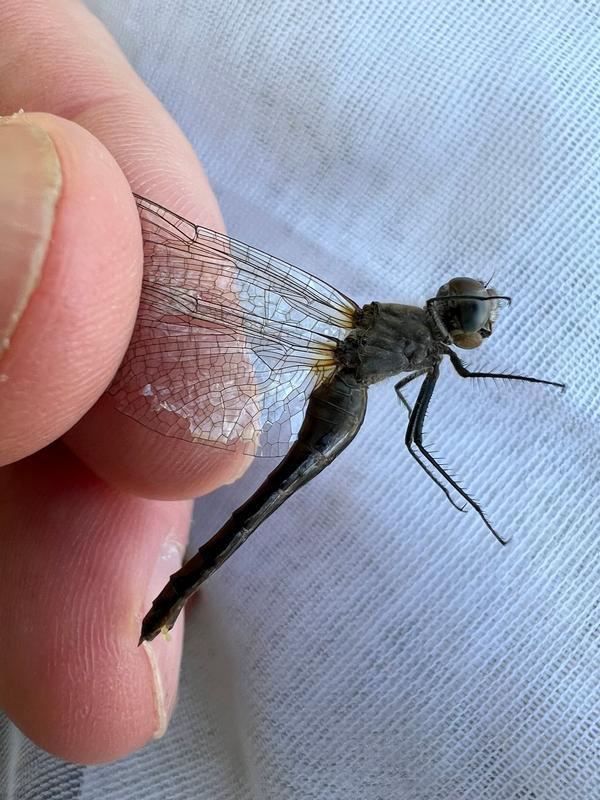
(465, 311)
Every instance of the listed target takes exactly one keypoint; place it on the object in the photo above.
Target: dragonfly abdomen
(333, 417)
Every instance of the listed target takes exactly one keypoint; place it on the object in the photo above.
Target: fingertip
(72, 677)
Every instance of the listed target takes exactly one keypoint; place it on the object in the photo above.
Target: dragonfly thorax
(389, 338)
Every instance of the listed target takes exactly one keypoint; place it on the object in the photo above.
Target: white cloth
(369, 641)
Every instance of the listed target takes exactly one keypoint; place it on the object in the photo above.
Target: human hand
(82, 554)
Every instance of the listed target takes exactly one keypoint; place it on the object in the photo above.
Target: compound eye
(472, 315)
(468, 341)
(467, 318)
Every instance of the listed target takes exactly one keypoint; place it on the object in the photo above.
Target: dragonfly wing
(229, 342)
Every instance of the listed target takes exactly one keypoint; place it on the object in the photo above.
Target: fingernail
(30, 182)
(163, 656)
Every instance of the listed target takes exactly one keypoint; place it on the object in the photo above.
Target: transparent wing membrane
(229, 342)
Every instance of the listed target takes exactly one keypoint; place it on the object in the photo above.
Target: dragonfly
(236, 349)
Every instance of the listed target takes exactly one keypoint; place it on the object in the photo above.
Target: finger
(71, 585)
(29, 27)
(70, 599)
(70, 277)
(105, 96)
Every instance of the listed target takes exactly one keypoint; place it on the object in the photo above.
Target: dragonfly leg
(402, 399)
(334, 415)
(402, 383)
(466, 373)
(414, 435)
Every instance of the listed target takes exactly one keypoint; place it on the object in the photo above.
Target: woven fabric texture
(369, 642)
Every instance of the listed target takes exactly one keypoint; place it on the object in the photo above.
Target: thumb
(70, 271)
(29, 189)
